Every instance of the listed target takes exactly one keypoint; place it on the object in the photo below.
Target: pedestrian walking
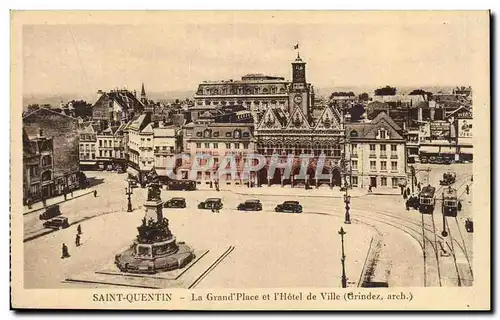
(71, 193)
(77, 240)
(459, 206)
(401, 187)
(95, 193)
(65, 197)
(79, 229)
(65, 253)
(370, 188)
(405, 195)
(467, 189)
(471, 178)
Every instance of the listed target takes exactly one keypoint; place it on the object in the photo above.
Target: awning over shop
(466, 150)
(448, 150)
(429, 149)
(88, 163)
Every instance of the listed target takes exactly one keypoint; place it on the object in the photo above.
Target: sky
(175, 55)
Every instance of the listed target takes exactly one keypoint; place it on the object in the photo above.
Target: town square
(268, 175)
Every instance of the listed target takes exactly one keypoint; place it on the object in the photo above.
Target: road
(271, 249)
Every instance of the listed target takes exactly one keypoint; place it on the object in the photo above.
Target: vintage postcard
(279, 160)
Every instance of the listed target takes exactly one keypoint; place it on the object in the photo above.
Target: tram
(450, 202)
(426, 200)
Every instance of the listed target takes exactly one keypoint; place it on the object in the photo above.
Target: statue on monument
(154, 186)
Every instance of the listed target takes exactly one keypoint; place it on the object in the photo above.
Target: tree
(385, 91)
(357, 112)
(32, 107)
(364, 97)
(342, 94)
(82, 108)
(421, 92)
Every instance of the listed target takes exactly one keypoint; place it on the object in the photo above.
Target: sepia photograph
(250, 160)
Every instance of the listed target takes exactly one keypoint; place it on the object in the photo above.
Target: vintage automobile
(57, 223)
(211, 203)
(50, 212)
(448, 178)
(176, 202)
(413, 201)
(250, 205)
(188, 185)
(289, 206)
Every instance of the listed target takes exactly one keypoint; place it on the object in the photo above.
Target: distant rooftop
(250, 78)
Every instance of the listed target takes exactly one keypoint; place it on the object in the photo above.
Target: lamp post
(347, 201)
(344, 279)
(129, 192)
(444, 233)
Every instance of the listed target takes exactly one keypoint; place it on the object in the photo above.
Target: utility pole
(344, 279)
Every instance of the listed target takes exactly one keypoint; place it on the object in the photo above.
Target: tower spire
(143, 92)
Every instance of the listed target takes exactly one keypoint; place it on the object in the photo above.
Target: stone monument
(155, 248)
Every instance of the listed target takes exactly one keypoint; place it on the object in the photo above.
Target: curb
(76, 197)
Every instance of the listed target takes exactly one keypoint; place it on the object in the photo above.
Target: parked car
(176, 202)
(181, 185)
(250, 205)
(50, 212)
(289, 206)
(57, 223)
(211, 203)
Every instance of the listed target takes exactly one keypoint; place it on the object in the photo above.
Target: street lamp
(344, 279)
(129, 192)
(444, 233)
(347, 201)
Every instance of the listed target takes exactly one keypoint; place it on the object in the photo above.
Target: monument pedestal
(155, 248)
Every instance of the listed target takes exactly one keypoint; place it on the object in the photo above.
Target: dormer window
(237, 134)
(207, 133)
(383, 134)
(354, 133)
(216, 134)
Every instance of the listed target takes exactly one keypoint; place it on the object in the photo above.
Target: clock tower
(298, 95)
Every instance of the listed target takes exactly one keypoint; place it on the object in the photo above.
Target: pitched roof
(50, 111)
(298, 120)
(383, 116)
(330, 118)
(273, 119)
(148, 129)
(369, 130)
